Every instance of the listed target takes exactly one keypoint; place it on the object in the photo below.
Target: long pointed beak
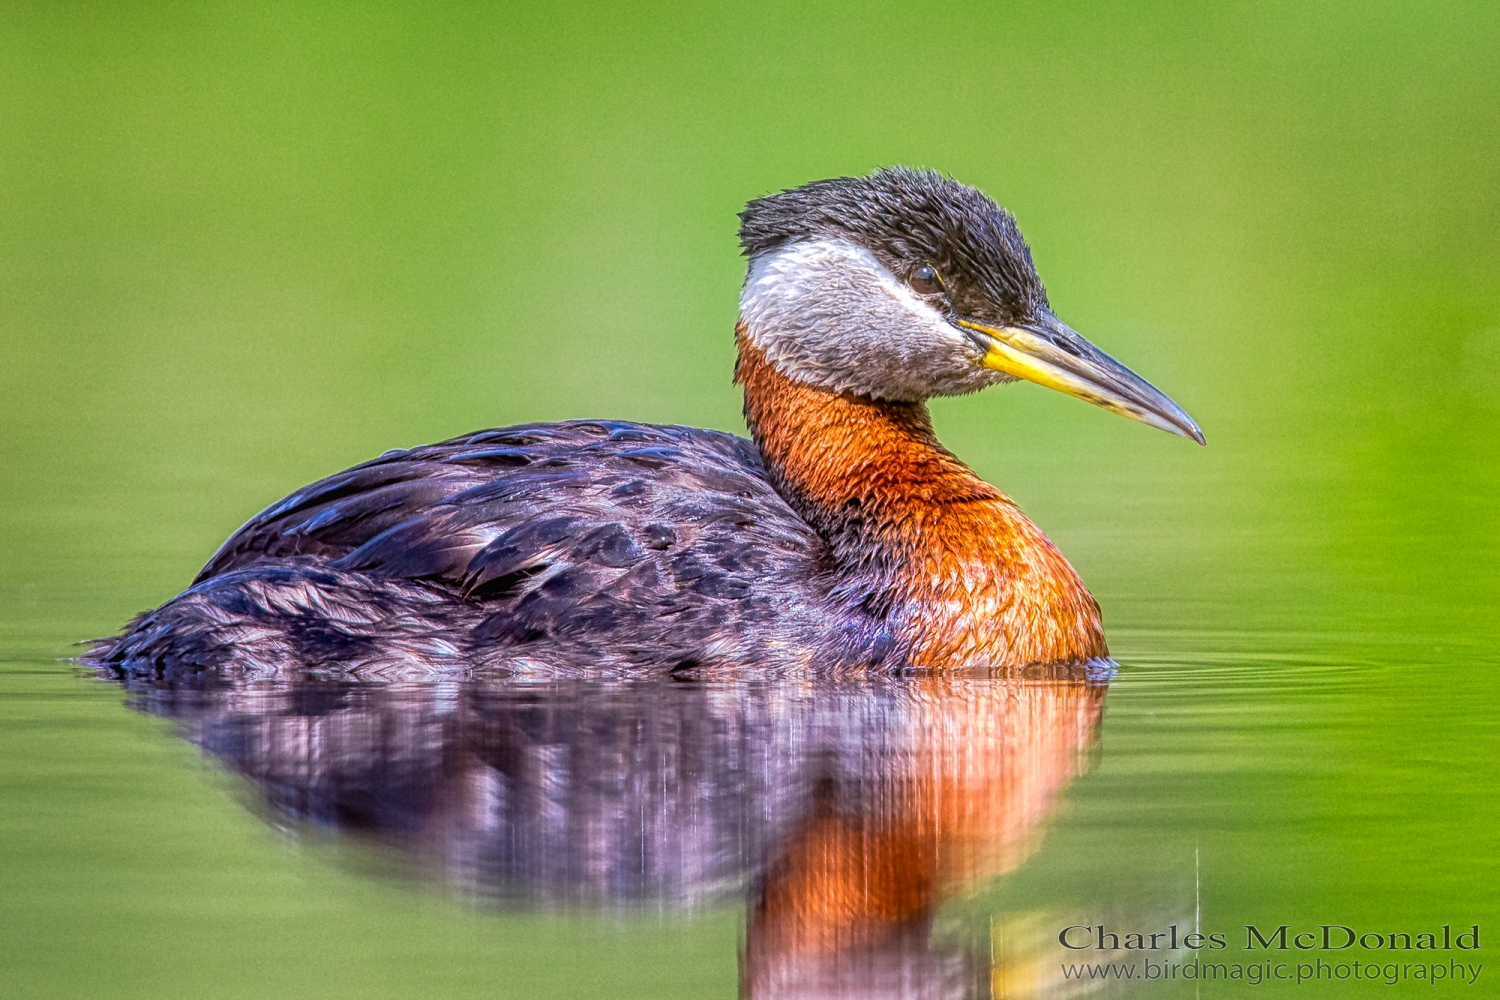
(1050, 353)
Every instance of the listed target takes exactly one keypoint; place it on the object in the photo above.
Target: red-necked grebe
(844, 535)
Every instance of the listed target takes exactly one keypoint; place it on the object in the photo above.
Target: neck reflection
(849, 810)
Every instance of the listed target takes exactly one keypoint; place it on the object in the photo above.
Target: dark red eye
(926, 281)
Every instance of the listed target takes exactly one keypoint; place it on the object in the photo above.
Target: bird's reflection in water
(850, 810)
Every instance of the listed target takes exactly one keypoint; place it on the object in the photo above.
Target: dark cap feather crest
(907, 218)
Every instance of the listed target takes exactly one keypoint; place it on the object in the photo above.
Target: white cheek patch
(827, 278)
(827, 312)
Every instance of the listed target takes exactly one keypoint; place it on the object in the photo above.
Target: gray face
(828, 312)
(858, 284)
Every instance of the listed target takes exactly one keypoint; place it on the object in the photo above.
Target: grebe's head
(906, 285)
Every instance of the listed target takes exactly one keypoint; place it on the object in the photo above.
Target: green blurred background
(243, 246)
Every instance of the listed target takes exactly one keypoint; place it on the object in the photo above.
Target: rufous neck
(936, 567)
(846, 463)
